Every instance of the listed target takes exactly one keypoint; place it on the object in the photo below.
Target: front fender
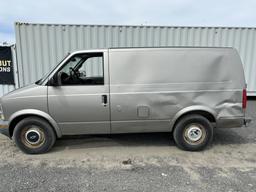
(37, 113)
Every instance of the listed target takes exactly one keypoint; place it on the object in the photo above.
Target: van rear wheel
(193, 133)
(34, 135)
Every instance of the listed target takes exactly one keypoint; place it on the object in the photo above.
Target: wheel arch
(19, 115)
(206, 112)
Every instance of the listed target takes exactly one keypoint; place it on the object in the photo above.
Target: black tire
(189, 125)
(34, 125)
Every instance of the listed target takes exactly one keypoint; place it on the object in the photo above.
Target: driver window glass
(93, 67)
(83, 69)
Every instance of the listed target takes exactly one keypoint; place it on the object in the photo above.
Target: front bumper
(4, 128)
(233, 122)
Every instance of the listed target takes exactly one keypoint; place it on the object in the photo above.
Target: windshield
(40, 81)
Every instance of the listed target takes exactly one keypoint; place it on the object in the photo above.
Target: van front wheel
(34, 135)
(193, 132)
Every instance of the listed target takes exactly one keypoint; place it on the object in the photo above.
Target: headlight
(1, 113)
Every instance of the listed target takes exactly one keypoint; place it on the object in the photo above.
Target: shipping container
(41, 46)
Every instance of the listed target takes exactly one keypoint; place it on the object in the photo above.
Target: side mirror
(56, 80)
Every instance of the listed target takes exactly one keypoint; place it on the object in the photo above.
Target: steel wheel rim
(194, 134)
(33, 136)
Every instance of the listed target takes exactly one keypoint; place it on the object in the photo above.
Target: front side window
(83, 69)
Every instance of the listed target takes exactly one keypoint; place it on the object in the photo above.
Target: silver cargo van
(185, 91)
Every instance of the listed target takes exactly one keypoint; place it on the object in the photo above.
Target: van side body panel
(150, 87)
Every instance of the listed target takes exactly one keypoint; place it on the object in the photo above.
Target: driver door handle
(104, 100)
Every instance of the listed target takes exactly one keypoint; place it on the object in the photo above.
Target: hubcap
(33, 136)
(194, 134)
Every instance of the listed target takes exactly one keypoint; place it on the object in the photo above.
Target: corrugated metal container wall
(41, 46)
(7, 88)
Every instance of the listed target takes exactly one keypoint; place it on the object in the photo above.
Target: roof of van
(171, 47)
(160, 47)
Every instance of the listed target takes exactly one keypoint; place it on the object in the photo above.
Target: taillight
(244, 99)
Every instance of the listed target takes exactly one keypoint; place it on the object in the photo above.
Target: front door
(80, 105)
